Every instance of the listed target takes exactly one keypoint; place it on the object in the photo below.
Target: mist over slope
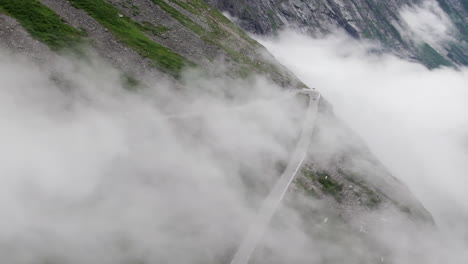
(142, 175)
(150, 131)
(412, 118)
(390, 23)
(94, 173)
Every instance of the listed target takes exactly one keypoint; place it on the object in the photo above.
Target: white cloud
(427, 23)
(414, 119)
(92, 173)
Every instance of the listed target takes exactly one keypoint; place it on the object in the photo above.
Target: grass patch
(309, 174)
(431, 58)
(373, 198)
(127, 31)
(135, 10)
(149, 27)
(129, 82)
(374, 201)
(465, 4)
(223, 33)
(301, 183)
(214, 18)
(43, 24)
(458, 53)
(222, 30)
(327, 184)
(272, 18)
(129, 5)
(184, 20)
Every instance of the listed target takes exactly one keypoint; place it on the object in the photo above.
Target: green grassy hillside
(42, 23)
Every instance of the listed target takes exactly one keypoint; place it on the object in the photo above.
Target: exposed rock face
(104, 42)
(370, 19)
(265, 17)
(458, 12)
(13, 36)
(341, 156)
(195, 32)
(345, 198)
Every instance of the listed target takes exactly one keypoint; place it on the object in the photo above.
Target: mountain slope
(369, 19)
(163, 34)
(161, 38)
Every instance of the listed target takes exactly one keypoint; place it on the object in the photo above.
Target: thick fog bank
(92, 172)
(414, 119)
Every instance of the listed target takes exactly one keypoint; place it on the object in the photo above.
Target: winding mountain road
(271, 203)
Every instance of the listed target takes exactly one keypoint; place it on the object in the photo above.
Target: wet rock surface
(368, 19)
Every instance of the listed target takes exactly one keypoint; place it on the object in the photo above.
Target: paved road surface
(273, 200)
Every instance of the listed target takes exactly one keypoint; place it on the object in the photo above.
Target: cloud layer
(414, 119)
(94, 173)
(428, 23)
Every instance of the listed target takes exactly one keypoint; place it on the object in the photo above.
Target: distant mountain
(367, 19)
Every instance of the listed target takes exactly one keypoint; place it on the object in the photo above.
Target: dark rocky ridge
(369, 19)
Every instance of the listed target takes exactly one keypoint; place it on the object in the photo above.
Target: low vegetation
(132, 34)
(302, 184)
(149, 27)
(184, 20)
(328, 185)
(201, 9)
(43, 23)
(220, 33)
(371, 199)
(309, 174)
(431, 58)
(129, 4)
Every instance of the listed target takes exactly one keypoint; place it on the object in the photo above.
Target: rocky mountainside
(367, 19)
(160, 37)
(163, 35)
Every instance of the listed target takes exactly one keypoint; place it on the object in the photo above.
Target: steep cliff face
(368, 19)
(458, 12)
(161, 37)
